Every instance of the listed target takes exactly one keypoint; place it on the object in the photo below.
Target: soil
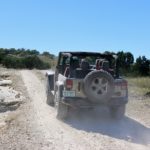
(33, 125)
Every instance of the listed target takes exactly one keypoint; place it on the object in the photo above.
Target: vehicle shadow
(99, 121)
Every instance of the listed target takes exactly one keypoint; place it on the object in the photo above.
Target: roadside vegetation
(22, 58)
(131, 67)
(26, 58)
(140, 84)
(137, 72)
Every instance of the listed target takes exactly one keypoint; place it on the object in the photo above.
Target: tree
(2, 54)
(34, 52)
(142, 66)
(125, 61)
(51, 56)
(129, 59)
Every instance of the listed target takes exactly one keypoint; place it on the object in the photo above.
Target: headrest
(85, 65)
(105, 65)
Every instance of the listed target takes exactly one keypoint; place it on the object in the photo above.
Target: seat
(70, 71)
(105, 65)
(98, 64)
(83, 70)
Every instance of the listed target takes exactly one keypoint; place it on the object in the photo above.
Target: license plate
(69, 93)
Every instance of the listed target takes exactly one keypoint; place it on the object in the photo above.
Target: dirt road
(39, 129)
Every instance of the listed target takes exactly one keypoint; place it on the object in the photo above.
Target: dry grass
(51, 62)
(142, 84)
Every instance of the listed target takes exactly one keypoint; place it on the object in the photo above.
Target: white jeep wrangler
(85, 80)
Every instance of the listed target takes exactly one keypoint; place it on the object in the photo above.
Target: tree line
(130, 67)
(25, 58)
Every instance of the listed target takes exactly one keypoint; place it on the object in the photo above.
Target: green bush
(22, 58)
(11, 61)
(29, 62)
(35, 62)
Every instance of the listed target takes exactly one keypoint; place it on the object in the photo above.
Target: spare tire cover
(98, 86)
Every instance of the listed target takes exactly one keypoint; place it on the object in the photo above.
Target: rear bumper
(115, 101)
(78, 102)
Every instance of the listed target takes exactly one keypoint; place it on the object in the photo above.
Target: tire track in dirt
(89, 131)
(53, 130)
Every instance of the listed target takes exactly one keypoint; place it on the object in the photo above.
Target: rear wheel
(117, 112)
(61, 108)
(62, 111)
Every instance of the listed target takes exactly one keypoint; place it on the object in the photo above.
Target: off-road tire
(50, 97)
(117, 112)
(98, 86)
(62, 111)
(61, 108)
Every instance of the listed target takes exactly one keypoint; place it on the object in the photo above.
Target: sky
(76, 25)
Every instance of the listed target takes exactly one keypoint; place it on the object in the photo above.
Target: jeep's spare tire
(98, 86)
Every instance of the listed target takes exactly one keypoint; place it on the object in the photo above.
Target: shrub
(29, 62)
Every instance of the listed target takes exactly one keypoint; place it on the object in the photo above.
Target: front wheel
(50, 96)
(117, 112)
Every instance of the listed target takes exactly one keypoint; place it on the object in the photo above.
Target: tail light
(121, 89)
(124, 85)
(69, 84)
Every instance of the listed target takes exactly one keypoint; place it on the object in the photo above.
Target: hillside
(26, 58)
